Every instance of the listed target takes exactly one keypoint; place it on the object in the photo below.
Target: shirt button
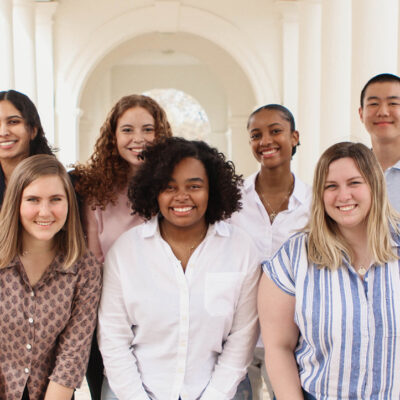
(30, 320)
(28, 346)
(26, 370)
(32, 293)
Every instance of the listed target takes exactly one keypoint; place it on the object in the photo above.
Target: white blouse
(165, 333)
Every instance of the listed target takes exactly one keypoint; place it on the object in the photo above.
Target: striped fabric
(349, 344)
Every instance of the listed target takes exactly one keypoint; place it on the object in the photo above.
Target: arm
(239, 346)
(58, 392)
(280, 335)
(115, 336)
(73, 343)
(91, 228)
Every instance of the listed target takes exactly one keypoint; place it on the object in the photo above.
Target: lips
(8, 143)
(43, 223)
(383, 123)
(348, 207)
(136, 150)
(182, 210)
(269, 152)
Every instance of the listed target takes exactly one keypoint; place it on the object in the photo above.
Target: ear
(360, 113)
(34, 133)
(295, 138)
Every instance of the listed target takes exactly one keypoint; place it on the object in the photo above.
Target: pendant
(362, 271)
(272, 216)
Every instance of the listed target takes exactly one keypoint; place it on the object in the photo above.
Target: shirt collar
(151, 228)
(395, 166)
(301, 192)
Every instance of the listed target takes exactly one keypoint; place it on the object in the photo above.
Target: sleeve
(73, 347)
(115, 335)
(280, 269)
(91, 228)
(239, 346)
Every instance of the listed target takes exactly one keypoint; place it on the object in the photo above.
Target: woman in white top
(329, 299)
(178, 312)
(275, 203)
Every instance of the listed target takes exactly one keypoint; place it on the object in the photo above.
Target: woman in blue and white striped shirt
(329, 301)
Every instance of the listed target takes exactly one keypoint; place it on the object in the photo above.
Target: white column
(375, 49)
(45, 66)
(309, 87)
(290, 59)
(24, 47)
(6, 46)
(335, 72)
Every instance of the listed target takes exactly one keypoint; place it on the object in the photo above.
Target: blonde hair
(69, 241)
(326, 245)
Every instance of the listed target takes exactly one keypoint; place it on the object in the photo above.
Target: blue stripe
(340, 389)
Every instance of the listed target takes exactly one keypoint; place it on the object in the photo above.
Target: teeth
(347, 208)
(43, 223)
(271, 151)
(7, 143)
(182, 209)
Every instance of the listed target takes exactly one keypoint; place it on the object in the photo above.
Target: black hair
(286, 114)
(159, 162)
(378, 78)
(39, 144)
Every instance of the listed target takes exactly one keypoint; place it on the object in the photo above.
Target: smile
(347, 208)
(269, 152)
(6, 144)
(137, 150)
(44, 223)
(182, 209)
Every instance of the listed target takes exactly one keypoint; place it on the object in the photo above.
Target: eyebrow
(378, 98)
(14, 116)
(269, 126)
(350, 179)
(195, 179)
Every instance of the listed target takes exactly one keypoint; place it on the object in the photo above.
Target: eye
(373, 104)
(126, 130)
(14, 121)
(355, 183)
(169, 188)
(195, 186)
(31, 199)
(149, 130)
(255, 136)
(56, 199)
(276, 131)
(394, 103)
(330, 186)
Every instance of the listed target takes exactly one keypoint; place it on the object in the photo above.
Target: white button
(32, 293)
(28, 346)
(26, 370)
(30, 320)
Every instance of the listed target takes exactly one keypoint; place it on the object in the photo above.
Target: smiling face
(381, 112)
(183, 203)
(15, 137)
(271, 138)
(347, 196)
(135, 129)
(43, 210)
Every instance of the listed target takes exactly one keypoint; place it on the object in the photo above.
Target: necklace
(192, 247)
(273, 213)
(361, 270)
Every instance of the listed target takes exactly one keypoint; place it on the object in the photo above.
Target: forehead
(189, 168)
(136, 113)
(46, 185)
(343, 168)
(383, 90)
(8, 108)
(268, 117)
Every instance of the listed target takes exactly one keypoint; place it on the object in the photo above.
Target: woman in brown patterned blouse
(49, 285)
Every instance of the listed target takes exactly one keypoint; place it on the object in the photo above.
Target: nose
(138, 136)
(182, 195)
(383, 109)
(44, 209)
(266, 139)
(344, 194)
(4, 130)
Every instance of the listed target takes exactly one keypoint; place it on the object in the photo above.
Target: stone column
(6, 45)
(335, 72)
(309, 87)
(24, 47)
(375, 47)
(45, 65)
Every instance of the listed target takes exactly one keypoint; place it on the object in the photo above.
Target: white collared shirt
(254, 219)
(165, 333)
(392, 176)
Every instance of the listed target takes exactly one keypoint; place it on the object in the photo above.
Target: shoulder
(88, 265)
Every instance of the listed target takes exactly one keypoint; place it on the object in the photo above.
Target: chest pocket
(221, 292)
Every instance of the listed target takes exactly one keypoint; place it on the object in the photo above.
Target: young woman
(49, 285)
(134, 122)
(275, 202)
(178, 312)
(328, 301)
(21, 134)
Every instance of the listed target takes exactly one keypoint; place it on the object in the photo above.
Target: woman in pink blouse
(49, 285)
(102, 183)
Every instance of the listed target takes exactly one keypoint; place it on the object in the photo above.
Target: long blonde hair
(69, 241)
(326, 245)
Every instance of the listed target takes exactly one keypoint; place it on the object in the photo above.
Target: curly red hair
(105, 174)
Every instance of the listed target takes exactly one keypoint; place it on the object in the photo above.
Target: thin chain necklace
(192, 247)
(272, 214)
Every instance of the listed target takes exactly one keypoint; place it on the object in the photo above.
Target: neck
(274, 181)
(37, 247)
(387, 154)
(357, 240)
(8, 166)
(182, 234)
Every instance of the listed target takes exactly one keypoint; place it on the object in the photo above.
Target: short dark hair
(159, 162)
(38, 145)
(286, 114)
(376, 79)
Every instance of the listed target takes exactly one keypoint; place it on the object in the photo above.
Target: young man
(380, 113)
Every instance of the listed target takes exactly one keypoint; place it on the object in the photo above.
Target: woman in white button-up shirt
(178, 311)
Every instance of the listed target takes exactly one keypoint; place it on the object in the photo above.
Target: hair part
(381, 78)
(156, 171)
(39, 144)
(106, 172)
(69, 240)
(326, 244)
(285, 113)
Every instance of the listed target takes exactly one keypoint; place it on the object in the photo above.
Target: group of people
(158, 246)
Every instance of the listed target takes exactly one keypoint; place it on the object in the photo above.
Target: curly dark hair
(156, 171)
(39, 144)
(106, 172)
